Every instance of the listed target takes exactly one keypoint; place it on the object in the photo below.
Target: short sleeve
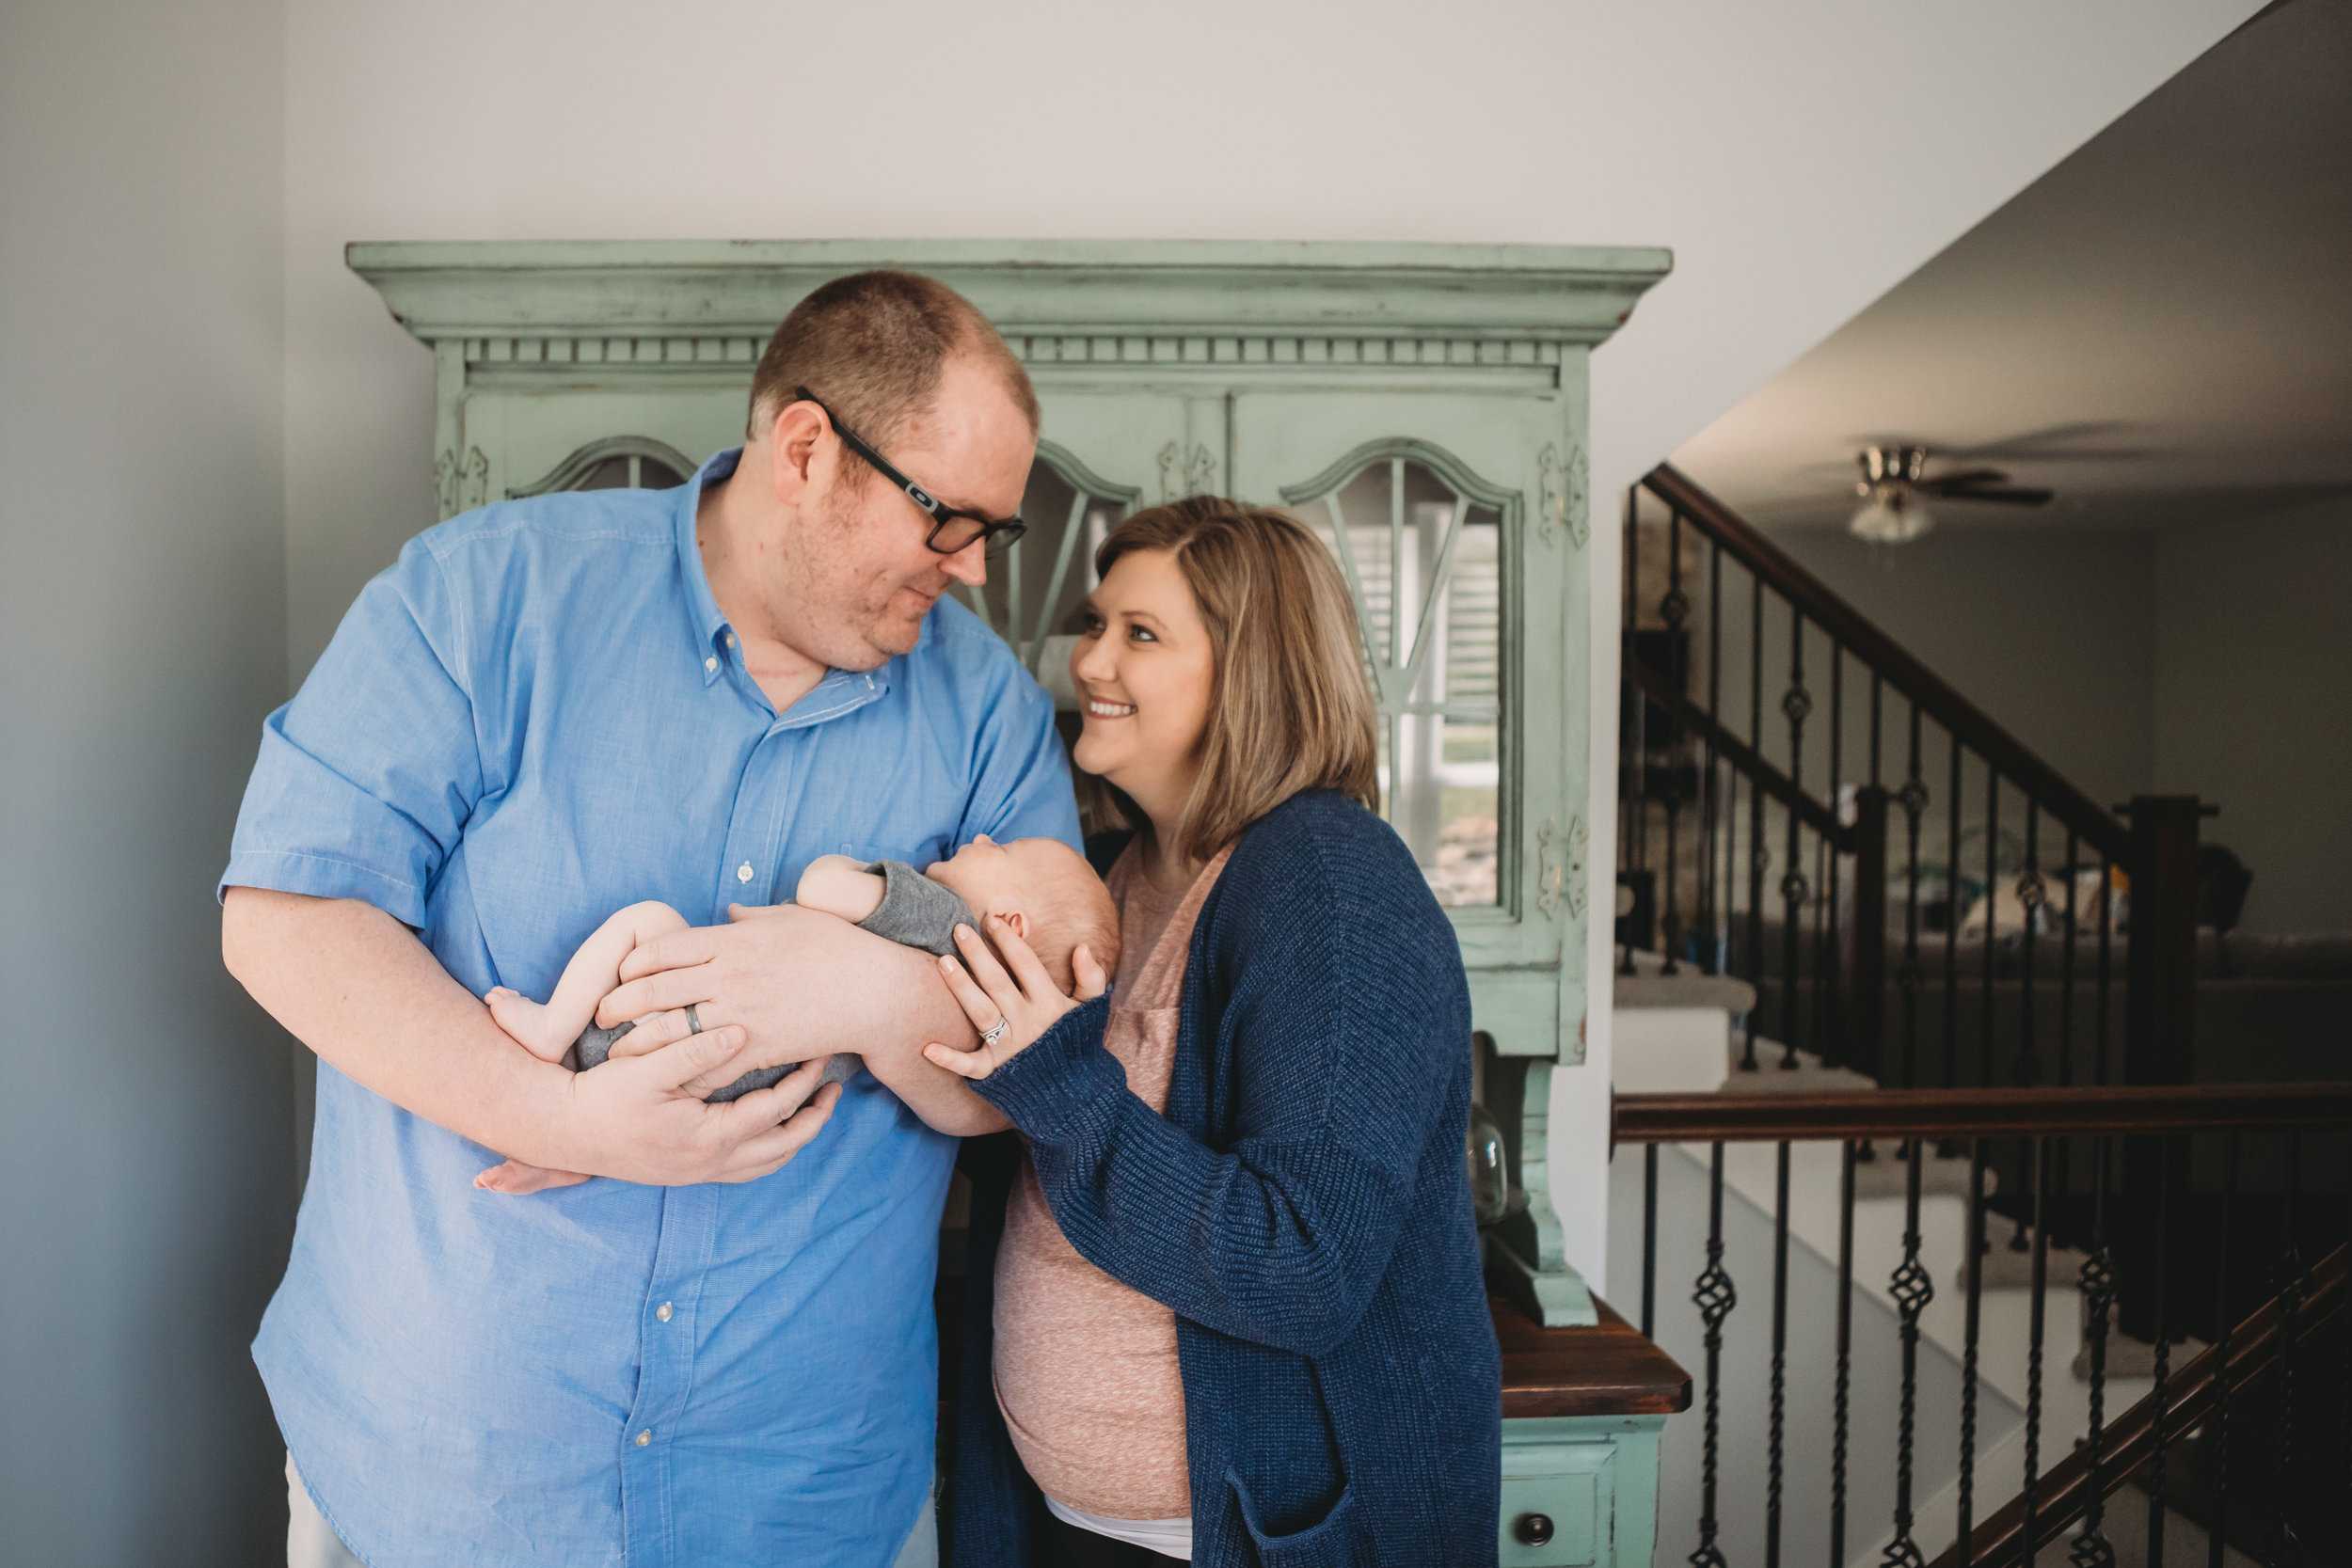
(367, 777)
(1023, 789)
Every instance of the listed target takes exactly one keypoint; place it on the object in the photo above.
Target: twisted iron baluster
(1845, 1368)
(2290, 1314)
(1951, 919)
(1674, 610)
(2092, 1549)
(2218, 1430)
(1633, 764)
(1759, 858)
(1908, 978)
(1968, 1510)
(1715, 1298)
(2162, 1394)
(1776, 1445)
(2027, 1070)
(1796, 702)
(1912, 1290)
(1713, 963)
(2039, 1163)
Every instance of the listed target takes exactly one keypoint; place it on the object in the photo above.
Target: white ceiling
(2160, 328)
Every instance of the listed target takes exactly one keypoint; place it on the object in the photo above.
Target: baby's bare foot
(524, 1019)
(516, 1180)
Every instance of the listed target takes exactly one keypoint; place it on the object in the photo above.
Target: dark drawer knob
(1532, 1529)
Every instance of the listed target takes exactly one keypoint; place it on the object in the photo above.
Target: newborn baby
(1041, 888)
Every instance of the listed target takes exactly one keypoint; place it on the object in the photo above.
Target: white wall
(145, 1123)
(1801, 158)
(2253, 680)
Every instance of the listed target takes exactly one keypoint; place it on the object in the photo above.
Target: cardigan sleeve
(1333, 986)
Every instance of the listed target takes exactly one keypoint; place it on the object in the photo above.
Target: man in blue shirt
(545, 710)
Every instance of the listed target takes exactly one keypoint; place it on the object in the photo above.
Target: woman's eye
(1141, 634)
(1091, 627)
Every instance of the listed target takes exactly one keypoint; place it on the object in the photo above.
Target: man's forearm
(357, 988)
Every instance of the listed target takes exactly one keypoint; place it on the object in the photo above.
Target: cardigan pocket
(1335, 1541)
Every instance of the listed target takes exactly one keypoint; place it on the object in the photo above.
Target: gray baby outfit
(914, 912)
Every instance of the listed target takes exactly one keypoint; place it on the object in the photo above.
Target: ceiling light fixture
(1892, 512)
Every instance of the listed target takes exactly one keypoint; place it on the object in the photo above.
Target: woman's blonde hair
(1291, 707)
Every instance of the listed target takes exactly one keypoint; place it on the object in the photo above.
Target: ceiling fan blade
(1966, 479)
(2008, 496)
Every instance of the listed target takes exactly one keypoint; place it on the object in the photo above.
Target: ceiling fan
(1894, 484)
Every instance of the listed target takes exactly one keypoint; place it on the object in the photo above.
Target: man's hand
(356, 986)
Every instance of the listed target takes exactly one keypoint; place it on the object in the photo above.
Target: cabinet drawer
(1570, 1485)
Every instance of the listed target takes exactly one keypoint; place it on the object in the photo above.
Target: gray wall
(145, 1121)
(2254, 700)
(2047, 630)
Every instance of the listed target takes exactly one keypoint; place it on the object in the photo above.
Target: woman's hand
(1025, 1006)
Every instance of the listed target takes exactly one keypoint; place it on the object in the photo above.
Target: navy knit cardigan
(1303, 1206)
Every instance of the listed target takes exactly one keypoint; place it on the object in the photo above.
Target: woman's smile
(1101, 708)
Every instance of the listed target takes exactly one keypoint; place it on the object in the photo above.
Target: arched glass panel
(1422, 551)
(615, 463)
(1035, 589)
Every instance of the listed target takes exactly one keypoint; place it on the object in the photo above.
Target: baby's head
(1045, 891)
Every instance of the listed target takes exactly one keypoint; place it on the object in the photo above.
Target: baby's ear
(1019, 922)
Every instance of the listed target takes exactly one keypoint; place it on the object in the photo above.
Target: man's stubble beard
(846, 613)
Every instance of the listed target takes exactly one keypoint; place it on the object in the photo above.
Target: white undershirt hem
(1168, 1537)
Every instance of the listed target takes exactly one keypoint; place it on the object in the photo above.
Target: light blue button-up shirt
(537, 716)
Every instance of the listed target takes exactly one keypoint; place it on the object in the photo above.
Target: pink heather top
(1086, 1369)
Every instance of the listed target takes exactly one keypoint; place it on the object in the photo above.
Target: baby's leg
(547, 1031)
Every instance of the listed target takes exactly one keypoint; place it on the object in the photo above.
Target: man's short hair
(871, 347)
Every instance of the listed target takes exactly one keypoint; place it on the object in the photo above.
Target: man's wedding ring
(995, 1032)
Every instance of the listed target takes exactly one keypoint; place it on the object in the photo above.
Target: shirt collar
(841, 691)
(709, 625)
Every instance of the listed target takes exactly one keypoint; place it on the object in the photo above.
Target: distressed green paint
(1164, 370)
(1595, 1477)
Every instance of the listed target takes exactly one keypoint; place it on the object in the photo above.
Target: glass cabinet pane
(1035, 589)
(1424, 564)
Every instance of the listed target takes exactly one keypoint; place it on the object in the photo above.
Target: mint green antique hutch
(1421, 407)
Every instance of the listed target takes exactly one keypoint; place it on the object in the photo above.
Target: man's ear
(794, 443)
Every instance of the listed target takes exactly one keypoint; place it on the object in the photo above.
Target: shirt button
(711, 663)
(644, 1437)
(730, 639)
(743, 872)
(662, 1311)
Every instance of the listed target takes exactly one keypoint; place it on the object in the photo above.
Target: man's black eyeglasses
(952, 529)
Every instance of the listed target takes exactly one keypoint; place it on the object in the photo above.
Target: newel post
(1863, 937)
(2160, 984)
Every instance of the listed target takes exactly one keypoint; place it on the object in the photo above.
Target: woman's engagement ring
(995, 1032)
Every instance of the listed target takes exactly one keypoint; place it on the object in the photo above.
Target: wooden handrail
(2131, 1439)
(1818, 817)
(1956, 713)
(1659, 1118)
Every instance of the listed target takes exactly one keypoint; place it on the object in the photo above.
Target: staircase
(1865, 885)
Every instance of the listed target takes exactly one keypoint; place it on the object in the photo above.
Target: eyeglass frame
(1003, 531)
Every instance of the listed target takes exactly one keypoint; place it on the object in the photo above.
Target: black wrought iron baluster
(2290, 1325)
(1795, 703)
(2026, 1071)
(2161, 1397)
(1973, 1325)
(1828, 1039)
(1776, 1445)
(1912, 1290)
(1909, 980)
(1841, 1403)
(2038, 1162)
(2217, 1429)
(1715, 1297)
(1992, 922)
(1633, 766)
(1714, 963)
(2107, 971)
(2066, 972)
(1951, 918)
(1649, 1241)
(1674, 610)
(1759, 858)
(2092, 1549)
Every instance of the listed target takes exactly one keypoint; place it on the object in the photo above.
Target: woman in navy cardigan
(1267, 1175)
